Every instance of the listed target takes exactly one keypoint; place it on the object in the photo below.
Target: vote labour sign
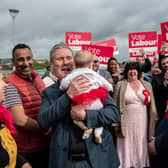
(76, 39)
(109, 43)
(103, 53)
(145, 40)
(161, 44)
(164, 30)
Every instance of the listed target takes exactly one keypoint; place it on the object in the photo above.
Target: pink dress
(132, 149)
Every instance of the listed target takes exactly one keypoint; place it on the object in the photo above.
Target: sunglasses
(95, 61)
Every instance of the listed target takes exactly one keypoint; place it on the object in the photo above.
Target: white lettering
(149, 53)
(115, 48)
(74, 36)
(135, 53)
(166, 36)
(94, 51)
(138, 37)
(143, 43)
(103, 59)
(77, 42)
(166, 27)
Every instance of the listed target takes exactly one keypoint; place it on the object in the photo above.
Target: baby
(94, 97)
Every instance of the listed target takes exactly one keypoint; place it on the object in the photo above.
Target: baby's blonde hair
(83, 58)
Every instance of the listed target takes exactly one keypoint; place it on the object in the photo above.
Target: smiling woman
(137, 126)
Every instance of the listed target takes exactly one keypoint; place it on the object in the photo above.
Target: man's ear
(91, 66)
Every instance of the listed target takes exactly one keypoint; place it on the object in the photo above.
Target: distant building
(5, 63)
(40, 61)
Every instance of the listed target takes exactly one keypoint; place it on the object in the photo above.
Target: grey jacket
(55, 113)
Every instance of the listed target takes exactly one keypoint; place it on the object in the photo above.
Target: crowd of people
(80, 116)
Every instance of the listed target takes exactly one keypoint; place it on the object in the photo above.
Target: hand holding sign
(164, 46)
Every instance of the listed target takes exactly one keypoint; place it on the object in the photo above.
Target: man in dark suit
(158, 147)
(67, 149)
(160, 86)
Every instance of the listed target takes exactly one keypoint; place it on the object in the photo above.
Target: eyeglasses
(95, 61)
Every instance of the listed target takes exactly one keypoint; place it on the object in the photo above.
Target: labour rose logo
(146, 93)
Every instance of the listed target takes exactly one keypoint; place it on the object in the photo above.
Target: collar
(53, 77)
(28, 78)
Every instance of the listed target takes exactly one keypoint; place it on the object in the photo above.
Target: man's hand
(26, 165)
(117, 130)
(151, 147)
(78, 113)
(163, 47)
(78, 85)
(48, 132)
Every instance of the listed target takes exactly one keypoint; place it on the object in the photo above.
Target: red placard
(145, 40)
(164, 29)
(161, 43)
(76, 39)
(109, 43)
(103, 53)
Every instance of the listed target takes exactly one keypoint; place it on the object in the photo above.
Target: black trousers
(37, 159)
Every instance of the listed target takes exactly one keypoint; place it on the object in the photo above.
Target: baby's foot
(98, 139)
(87, 133)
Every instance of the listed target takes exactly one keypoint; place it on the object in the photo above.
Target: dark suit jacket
(161, 144)
(160, 94)
(55, 113)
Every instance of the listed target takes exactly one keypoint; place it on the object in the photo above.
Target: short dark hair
(19, 46)
(161, 57)
(130, 66)
(156, 62)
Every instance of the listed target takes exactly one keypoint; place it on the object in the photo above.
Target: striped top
(12, 97)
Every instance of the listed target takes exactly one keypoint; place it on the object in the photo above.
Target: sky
(43, 23)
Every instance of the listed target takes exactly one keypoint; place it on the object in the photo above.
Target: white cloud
(41, 24)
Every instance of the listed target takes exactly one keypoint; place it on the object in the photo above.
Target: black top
(147, 66)
(4, 157)
(77, 146)
(160, 94)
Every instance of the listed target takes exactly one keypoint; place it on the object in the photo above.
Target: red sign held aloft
(164, 30)
(109, 43)
(103, 53)
(145, 40)
(161, 44)
(77, 39)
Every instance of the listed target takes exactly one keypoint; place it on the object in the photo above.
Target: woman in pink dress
(138, 117)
